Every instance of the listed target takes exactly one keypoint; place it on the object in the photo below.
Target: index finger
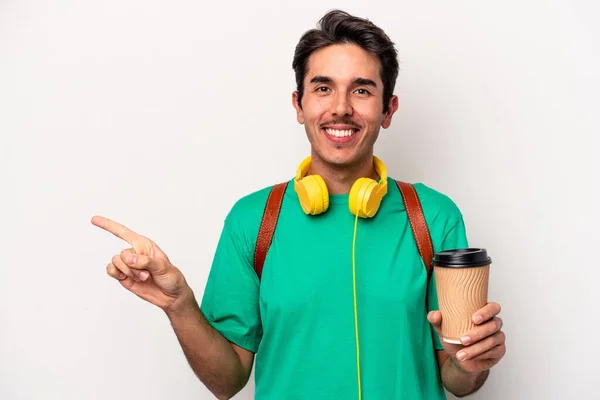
(488, 312)
(115, 228)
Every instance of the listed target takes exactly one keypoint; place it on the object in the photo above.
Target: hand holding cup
(468, 326)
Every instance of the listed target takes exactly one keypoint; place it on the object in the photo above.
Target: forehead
(343, 62)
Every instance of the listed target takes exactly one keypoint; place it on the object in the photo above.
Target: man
(338, 310)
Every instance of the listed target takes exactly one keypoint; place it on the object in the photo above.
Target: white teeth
(337, 133)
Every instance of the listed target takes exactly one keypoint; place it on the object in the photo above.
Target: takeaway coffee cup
(461, 278)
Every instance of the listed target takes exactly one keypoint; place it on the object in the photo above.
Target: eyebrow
(357, 81)
(321, 79)
(365, 82)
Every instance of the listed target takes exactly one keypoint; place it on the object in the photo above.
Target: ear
(296, 104)
(393, 107)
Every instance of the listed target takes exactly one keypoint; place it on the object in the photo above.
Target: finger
(156, 266)
(123, 279)
(120, 265)
(144, 264)
(481, 347)
(482, 331)
(135, 260)
(486, 313)
(484, 361)
(116, 229)
(435, 318)
(493, 354)
(137, 263)
(114, 272)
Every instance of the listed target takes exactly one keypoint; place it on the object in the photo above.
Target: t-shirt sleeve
(455, 238)
(230, 300)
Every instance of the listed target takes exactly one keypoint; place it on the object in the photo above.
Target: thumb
(435, 319)
(142, 262)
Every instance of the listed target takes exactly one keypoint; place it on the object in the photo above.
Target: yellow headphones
(364, 198)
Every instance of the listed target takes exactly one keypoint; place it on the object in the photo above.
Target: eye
(322, 89)
(363, 92)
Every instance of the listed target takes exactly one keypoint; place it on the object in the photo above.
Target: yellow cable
(355, 311)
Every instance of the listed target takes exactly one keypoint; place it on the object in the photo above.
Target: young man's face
(342, 105)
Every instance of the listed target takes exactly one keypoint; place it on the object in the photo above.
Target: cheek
(315, 114)
(370, 117)
(366, 109)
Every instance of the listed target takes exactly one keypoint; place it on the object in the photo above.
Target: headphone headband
(381, 170)
(303, 168)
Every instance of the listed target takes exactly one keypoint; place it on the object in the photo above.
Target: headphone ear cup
(313, 194)
(364, 198)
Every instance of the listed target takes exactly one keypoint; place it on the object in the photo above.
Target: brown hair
(338, 27)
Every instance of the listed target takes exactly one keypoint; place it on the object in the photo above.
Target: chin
(336, 158)
(347, 152)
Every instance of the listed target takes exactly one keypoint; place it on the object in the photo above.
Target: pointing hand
(143, 269)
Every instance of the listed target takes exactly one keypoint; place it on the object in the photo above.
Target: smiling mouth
(340, 136)
(340, 133)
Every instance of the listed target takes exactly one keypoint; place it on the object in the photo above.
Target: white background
(158, 114)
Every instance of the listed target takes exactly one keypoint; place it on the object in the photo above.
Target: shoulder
(436, 202)
(246, 213)
(440, 210)
(249, 206)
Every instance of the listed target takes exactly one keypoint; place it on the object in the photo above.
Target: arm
(145, 270)
(221, 333)
(455, 379)
(223, 367)
(464, 368)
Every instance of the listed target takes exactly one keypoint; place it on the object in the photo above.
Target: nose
(341, 104)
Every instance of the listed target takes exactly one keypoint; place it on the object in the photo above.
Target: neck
(339, 179)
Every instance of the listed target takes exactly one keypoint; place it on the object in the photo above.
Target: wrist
(184, 305)
(459, 381)
(455, 365)
(466, 376)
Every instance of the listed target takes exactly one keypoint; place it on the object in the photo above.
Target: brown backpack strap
(267, 226)
(417, 223)
(420, 230)
(411, 203)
